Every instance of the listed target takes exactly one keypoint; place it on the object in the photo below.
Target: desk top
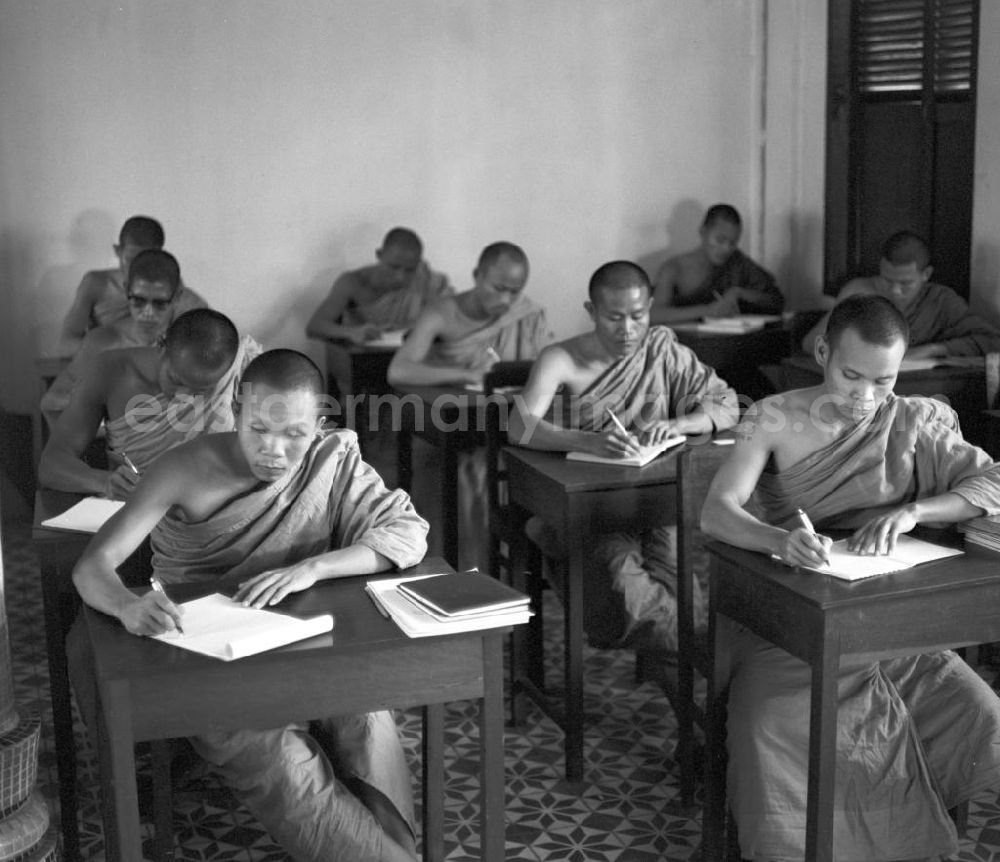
(48, 504)
(825, 592)
(938, 373)
(358, 625)
(577, 476)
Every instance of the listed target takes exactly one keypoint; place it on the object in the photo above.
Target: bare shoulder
(94, 283)
(772, 419)
(558, 360)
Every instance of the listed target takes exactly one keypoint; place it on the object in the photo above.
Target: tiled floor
(627, 808)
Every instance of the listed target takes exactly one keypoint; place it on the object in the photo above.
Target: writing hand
(364, 332)
(120, 483)
(727, 304)
(879, 535)
(614, 444)
(271, 587)
(151, 614)
(802, 547)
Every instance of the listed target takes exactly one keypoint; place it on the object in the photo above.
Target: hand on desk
(879, 535)
(151, 614)
(658, 432)
(613, 444)
(477, 371)
(803, 547)
(727, 304)
(120, 483)
(271, 587)
(364, 332)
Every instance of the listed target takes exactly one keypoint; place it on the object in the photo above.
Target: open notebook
(908, 552)
(217, 626)
(388, 338)
(647, 454)
(87, 516)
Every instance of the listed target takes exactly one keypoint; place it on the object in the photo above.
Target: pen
(617, 421)
(805, 522)
(492, 354)
(156, 585)
(129, 464)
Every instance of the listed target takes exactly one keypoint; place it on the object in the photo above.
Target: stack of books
(428, 605)
(984, 532)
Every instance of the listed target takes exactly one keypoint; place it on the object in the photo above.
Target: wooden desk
(738, 356)
(582, 501)
(58, 551)
(963, 387)
(354, 373)
(151, 690)
(820, 620)
(454, 420)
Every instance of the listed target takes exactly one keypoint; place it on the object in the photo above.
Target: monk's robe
(112, 302)
(156, 423)
(630, 586)
(941, 316)
(394, 309)
(57, 396)
(738, 270)
(291, 779)
(519, 333)
(916, 735)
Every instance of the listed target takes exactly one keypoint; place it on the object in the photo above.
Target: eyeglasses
(140, 302)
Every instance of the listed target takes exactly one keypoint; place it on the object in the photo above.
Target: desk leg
(59, 611)
(822, 752)
(449, 506)
(491, 810)
(433, 766)
(714, 813)
(122, 837)
(573, 727)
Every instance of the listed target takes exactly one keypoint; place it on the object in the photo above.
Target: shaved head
(617, 275)
(285, 371)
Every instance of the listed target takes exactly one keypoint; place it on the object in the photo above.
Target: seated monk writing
(276, 506)
(152, 287)
(716, 279)
(458, 338)
(915, 735)
(102, 297)
(150, 399)
(387, 295)
(939, 319)
(654, 386)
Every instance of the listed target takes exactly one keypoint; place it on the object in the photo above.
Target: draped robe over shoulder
(941, 316)
(662, 379)
(156, 423)
(397, 309)
(292, 777)
(916, 735)
(519, 333)
(333, 500)
(737, 270)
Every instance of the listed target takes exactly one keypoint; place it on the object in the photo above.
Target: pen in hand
(617, 421)
(807, 524)
(158, 587)
(131, 466)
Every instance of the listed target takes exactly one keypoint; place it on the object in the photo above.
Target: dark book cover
(464, 593)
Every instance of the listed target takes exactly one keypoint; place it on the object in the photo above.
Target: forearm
(535, 433)
(65, 471)
(99, 586)
(328, 329)
(358, 559)
(407, 372)
(947, 508)
(732, 524)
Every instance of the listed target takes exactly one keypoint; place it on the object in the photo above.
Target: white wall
(277, 141)
(985, 275)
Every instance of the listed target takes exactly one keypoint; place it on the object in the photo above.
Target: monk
(388, 295)
(101, 297)
(916, 735)
(150, 399)
(939, 319)
(458, 339)
(152, 288)
(716, 279)
(275, 506)
(657, 388)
